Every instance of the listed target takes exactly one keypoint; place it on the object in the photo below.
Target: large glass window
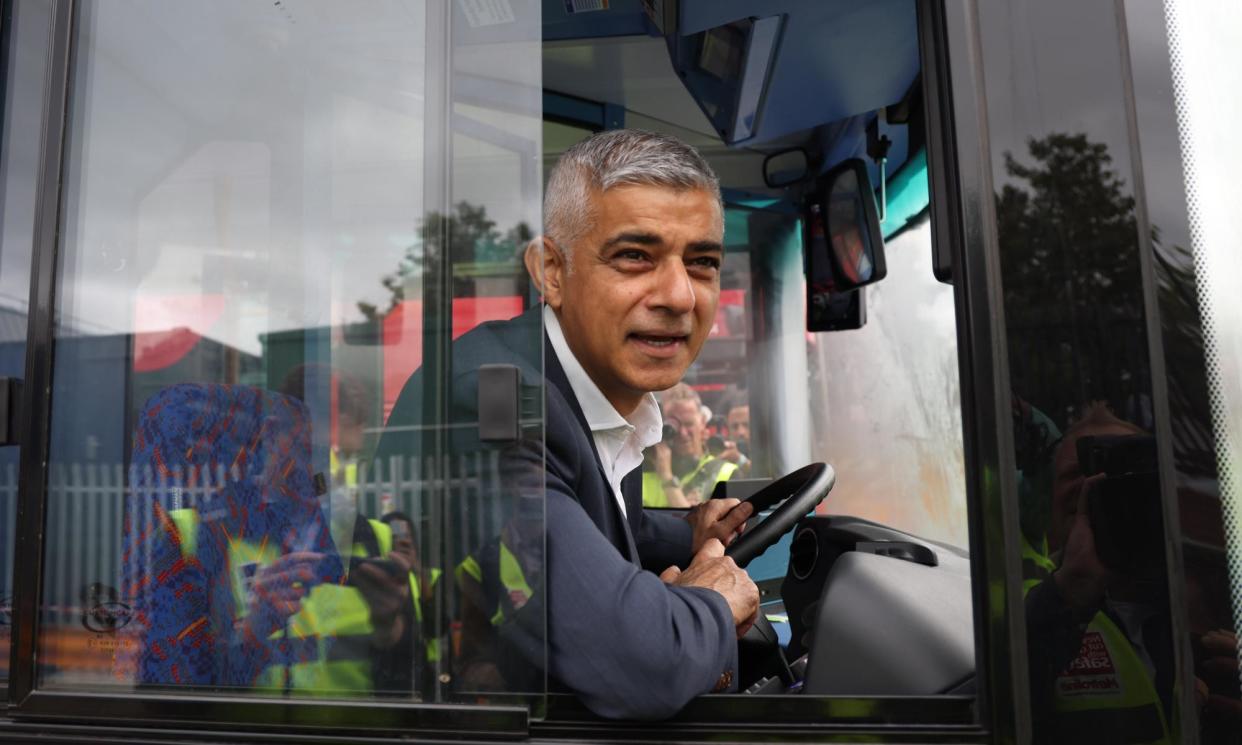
(260, 478)
(1179, 56)
(887, 401)
(296, 435)
(880, 402)
(1083, 300)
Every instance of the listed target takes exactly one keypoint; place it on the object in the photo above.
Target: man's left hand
(722, 519)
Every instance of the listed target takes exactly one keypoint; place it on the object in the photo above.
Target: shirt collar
(600, 414)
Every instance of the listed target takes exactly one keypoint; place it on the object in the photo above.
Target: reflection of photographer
(679, 471)
(420, 607)
(737, 419)
(1099, 632)
(379, 571)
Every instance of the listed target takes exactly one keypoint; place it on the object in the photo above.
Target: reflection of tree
(1074, 210)
(471, 238)
(1073, 294)
(1074, 298)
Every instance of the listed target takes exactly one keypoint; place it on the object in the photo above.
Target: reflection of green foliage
(1070, 266)
(468, 234)
(1074, 295)
(1069, 238)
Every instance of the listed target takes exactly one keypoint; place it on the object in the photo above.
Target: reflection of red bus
(400, 336)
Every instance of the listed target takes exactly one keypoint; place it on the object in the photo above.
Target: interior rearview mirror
(786, 168)
(845, 228)
(844, 248)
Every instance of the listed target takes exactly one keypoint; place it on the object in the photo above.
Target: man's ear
(546, 265)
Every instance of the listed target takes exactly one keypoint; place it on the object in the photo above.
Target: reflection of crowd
(684, 468)
(737, 422)
(1100, 641)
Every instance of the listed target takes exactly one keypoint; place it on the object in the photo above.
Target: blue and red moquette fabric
(241, 458)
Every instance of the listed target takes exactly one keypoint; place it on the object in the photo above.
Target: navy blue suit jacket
(627, 644)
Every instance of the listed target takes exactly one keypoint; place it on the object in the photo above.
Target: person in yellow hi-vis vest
(422, 586)
(680, 472)
(495, 586)
(1099, 636)
(353, 635)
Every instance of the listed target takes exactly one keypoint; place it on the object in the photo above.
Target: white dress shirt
(619, 440)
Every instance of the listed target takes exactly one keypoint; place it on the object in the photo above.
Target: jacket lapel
(555, 375)
(632, 491)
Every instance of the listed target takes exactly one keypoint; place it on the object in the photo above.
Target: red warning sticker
(1092, 672)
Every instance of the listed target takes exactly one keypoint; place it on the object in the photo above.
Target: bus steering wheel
(798, 493)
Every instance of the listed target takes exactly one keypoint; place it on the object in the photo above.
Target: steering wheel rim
(798, 492)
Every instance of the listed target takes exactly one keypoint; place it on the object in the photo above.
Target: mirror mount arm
(877, 150)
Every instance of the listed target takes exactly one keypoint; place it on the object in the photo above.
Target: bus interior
(262, 233)
(880, 577)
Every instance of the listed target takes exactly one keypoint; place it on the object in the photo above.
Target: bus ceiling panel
(634, 72)
(843, 139)
(834, 59)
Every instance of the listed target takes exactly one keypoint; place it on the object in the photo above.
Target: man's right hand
(711, 569)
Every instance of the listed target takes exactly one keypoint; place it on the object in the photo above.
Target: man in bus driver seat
(629, 273)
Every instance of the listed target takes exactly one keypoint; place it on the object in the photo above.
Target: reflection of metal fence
(85, 509)
(471, 513)
(86, 505)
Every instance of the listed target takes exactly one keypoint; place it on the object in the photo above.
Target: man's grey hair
(619, 157)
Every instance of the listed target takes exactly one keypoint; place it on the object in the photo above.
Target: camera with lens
(1124, 507)
(387, 566)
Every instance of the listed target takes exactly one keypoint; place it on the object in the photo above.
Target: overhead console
(726, 68)
(750, 65)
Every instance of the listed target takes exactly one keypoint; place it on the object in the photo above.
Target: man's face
(1067, 482)
(739, 424)
(688, 418)
(642, 295)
